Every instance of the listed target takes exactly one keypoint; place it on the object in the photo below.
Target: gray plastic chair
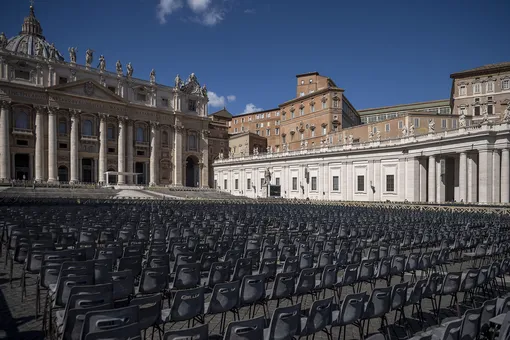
(252, 293)
(149, 311)
(348, 279)
(195, 333)
(153, 280)
(109, 319)
(242, 268)
(123, 284)
(268, 268)
(351, 311)
(398, 302)
(285, 323)
(101, 269)
(133, 263)
(224, 298)
(319, 316)
(218, 273)
(251, 329)
(283, 288)
(187, 276)
(450, 286)
(73, 322)
(383, 271)
(488, 312)
(187, 305)
(129, 332)
(398, 263)
(450, 331)
(470, 324)
(377, 306)
(328, 280)
(366, 273)
(305, 283)
(305, 260)
(290, 264)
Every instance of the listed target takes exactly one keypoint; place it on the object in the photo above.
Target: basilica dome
(30, 40)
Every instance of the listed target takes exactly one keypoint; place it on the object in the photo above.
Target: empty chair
(224, 298)
(378, 305)
(149, 310)
(283, 288)
(129, 332)
(251, 329)
(318, 318)
(196, 333)
(351, 311)
(187, 305)
(285, 323)
(186, 276)
(450, 286)
(104, 320)
(252, 292)
(243, 267)
(488, 312)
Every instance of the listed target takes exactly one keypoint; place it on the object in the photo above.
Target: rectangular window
(111, 150)
(111, 88)
(277, 113)
(505, 84)
(387, 127)
(390, 183)
(292, 114)
(164, 102)
(462, 90)
(324, 105)
(138, 152)
(268, 115)
(302, 136)
(236, 184)
(215, 184)
(336, 183)
(490, 86)
(235, 121)
(400, 124)
(277, 131)
(62, 80)
(225, 184)
(361, 183)
(301, 111)
(248, 184)
(235, 130)
(21, 142)
(261, 182)
(324, 131)
(490, 109)
(313, 133)
(242, 128)
(277, 180)
(141, 97)
(294, 183)
(477, 88)
(62, 146)
(443, 123)
(242, 120)
(111, 135)
(416, 123)
(268, 132)
(314, 183)
(258, 132)
(477, 110)
(192, 105)
(454, 123)
(21, 74)
(312, 108)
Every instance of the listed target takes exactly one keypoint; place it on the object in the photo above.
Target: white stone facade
(469, 164)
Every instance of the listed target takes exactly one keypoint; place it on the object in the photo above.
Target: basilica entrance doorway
(87, 170)
(192, 172)
(22, 166)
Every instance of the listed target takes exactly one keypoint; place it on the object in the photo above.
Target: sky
(248, 52)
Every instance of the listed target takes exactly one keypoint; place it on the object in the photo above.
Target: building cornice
(311, 95)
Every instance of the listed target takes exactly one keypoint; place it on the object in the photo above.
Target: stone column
(496, 176)
(432, 179)
(52, 146)
(120, 149)
(463, 186)
(412, 179)
(5, 150)
(39, 143)
(204, 180)
(441, 180)
(129, 151)
(485, 176)
(75, 118)
(505, 176)
(423, 180)
(154, 154)
(103, 147)
(472, 178)
(178, 155)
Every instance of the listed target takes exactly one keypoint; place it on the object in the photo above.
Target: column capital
(103, 116)
(5, 104)
(154, 124)
(74, 113)
(179, 128)
(122, 119)
(205, 134)
(40, 109)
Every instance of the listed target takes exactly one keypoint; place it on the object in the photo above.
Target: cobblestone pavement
(18, 321)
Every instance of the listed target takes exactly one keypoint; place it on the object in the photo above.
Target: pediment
(87, 88)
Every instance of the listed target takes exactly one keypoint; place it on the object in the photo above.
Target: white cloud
(166, 7)
(219, 101)
(198, 5)
(251, 108)
(212, 17)
(231, 98)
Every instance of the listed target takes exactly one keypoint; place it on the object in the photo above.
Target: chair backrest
(329, 276)
(134, 263)
(399, 295)
(352, 308)
(196, 333)
(398, 263)
(89, 296)
(291, 264)
(153, 280)
(470, 324)
(243, 267)
(285, 322)
(251, 329)
(101, 270)
(470, 280)
(284, 286)
(109, 319)
(350, 274)
(252, 289)
(224, 297)
(187, 276)
(150, 309)
(268, 267)
(305, 260)
(73, 320)
(378, 304)
(366, 270)
(184, 258)
(488, 312)
(450, 332)
(129, 332)
(384, 267)
(218, 273)
(187, 304)
(64, 285)
(123, 284)
(319, 316)
(451, 283)
(306, 281)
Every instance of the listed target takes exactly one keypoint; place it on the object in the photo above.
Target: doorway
(86, 170)
(140, 169)
(112, 179)
(63, 174)
(192, 172)
(22, 166)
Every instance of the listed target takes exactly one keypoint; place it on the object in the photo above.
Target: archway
(192, 172)
(22, 166)
(63, 173)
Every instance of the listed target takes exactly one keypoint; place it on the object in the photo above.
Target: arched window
(87, 128)
(192, 142)
(111, 132)
(62, 126)
(164, 138)
(140, 135)
(21, 121)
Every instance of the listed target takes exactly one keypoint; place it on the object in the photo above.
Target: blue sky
(248, 52)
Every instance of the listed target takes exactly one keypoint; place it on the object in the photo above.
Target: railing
(22, 131)
(142, 144)
(89, 138)
(370, 144)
